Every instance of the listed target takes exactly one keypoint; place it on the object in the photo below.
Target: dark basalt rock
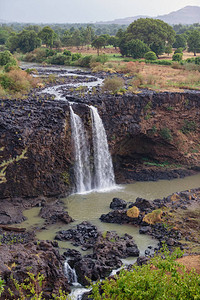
(116, 216)
(118, 203)
(85, 234)
(54, 212)
(41, 257)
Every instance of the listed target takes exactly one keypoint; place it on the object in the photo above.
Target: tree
(154, 33)
(4, 35)
(168, 49)
(180, 41)
(194, 42)
(28, 40)
(47, 36)
(98, 43)
(137, 48)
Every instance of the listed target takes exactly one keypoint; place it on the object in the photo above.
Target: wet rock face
(36, 258)
(41, 127)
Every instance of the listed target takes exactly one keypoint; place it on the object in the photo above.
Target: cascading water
(103, 174)
(82, 154)
(70, 273)
(103, 167)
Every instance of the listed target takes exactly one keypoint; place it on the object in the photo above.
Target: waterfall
(103, 167)
(70, 273)
(82, 154)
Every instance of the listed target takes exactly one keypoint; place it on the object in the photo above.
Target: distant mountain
(186, 15)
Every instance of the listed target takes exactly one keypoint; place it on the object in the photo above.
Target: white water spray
(70, 273)
(82, 154)
(103, 167)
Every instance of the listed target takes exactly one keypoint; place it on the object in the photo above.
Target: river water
(90, 206)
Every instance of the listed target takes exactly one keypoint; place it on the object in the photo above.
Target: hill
(186, 15)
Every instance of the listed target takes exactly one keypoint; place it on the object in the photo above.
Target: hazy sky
(72, 11)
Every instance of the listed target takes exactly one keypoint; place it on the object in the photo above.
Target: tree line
(142, 36)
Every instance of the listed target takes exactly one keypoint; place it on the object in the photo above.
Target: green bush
(7, 58)
(76, 56)
(188, 126)
(177, 57)
(163, 62)
(150, 55)
(2, 284)
(166, 134)
(113, 84)
(85, 61)
(103, 58)
(58, 59)
(67, 52)
(178, 50)
(162, 278)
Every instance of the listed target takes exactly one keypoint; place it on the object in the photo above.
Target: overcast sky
(84, 11)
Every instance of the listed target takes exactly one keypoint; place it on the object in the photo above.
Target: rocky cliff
(145, 131)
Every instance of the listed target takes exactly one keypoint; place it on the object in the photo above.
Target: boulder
(118, 203)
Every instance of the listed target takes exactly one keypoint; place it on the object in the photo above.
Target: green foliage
(166, 280)
(47, 35)
(136, 48)
(194, 41)
(2, 285)
(178, 50)
(85, 61)
(103, 58)
(26, 41)
(6, 163)
(177, 57)
(32, 288)
(150, 55)
(6, 57)
(113, 84)
(98, 43)
(76, 56)
(188, 126)
(154, 33)
(180, 41)
(163, 62)
(168, 49)
(166, 134)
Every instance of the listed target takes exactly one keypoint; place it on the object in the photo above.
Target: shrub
(153, 217)
(76, 56)
(197, 60)
(161, 278)
(166, 134)
(85, 61)
(163, 62)
(188, 126)
(6, 57)
(17, 81)
(113, 84)
(178, 50)
(150, 55)
(2, 284)
(133, 212)
(67, 52)
(177, 57)
(58, 59)
(103, 58)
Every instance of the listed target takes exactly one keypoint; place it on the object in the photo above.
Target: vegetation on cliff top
(161, 278)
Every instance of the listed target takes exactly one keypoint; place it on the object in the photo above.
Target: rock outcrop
(146, 132)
